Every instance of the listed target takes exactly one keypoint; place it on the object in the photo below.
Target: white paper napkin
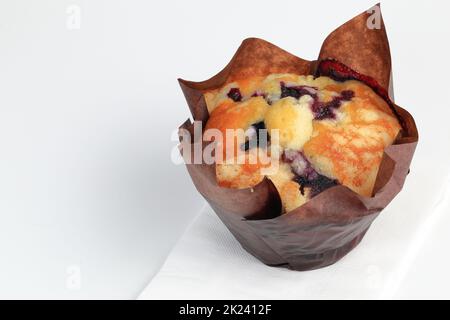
(208, 263)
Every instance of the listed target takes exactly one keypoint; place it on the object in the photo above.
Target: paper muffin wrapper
(328, 226)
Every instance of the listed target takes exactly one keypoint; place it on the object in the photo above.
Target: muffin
(330, 133)
(342, 146)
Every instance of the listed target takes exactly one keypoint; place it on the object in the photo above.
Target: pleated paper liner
(328, 226)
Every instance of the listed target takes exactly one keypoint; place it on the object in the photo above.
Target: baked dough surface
(330, 133)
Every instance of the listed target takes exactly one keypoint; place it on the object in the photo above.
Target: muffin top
(321, 133)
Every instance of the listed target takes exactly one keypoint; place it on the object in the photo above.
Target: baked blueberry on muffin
(330, 133)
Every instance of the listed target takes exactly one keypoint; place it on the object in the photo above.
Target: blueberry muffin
(330, 133)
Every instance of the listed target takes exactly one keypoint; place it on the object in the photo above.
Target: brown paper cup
(327, 227)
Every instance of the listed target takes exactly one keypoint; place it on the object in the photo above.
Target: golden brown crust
(348, 149)
(351, 150)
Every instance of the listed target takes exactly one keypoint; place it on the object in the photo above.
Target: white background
(90, 203)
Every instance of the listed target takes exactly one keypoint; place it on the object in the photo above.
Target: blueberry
(307, 177)
(297, 91)
(325, 110)
(347, 95)
(259, 143)
(235, 94)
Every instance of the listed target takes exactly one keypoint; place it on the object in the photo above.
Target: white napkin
(208, 263)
